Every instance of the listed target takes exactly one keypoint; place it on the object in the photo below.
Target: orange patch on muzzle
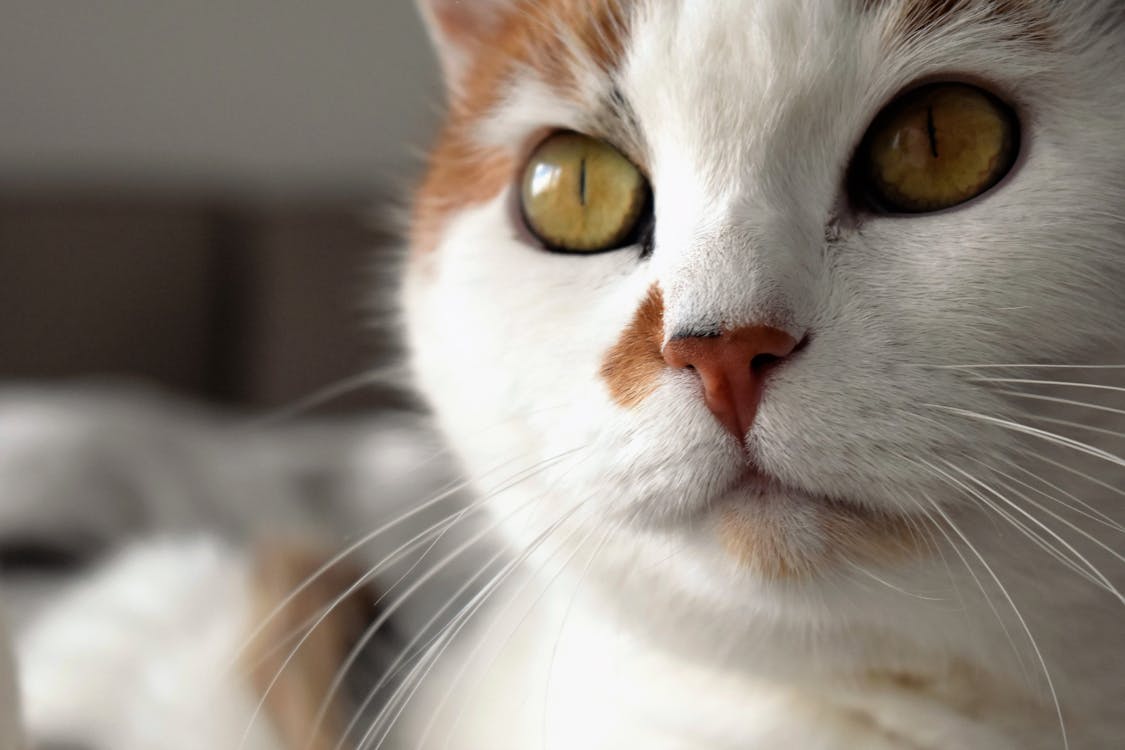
(632, 367)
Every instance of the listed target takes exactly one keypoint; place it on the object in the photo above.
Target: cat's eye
(936, 147)
(581, 195)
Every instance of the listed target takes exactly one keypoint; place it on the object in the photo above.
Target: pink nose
(732, 367)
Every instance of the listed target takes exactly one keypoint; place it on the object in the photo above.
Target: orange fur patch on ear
(768, 544)
(296, 690)
(916, 17)
(632, 367)
(543, 36)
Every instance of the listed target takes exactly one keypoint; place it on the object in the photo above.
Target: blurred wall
(189, 188)
(248, 95)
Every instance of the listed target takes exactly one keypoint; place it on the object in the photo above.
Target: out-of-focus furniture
(254, 304)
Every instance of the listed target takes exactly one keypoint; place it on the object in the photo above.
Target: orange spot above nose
(632, 367)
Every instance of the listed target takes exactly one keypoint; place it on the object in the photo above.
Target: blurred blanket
(127, 524)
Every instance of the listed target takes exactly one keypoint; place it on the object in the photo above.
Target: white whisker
(1073, 527)
(358, 648)
(1080, 507)
(412, 648)
(1067, 401)
(1059, 383)
(976, 579)
(606, 536)
(452, 629)
(1077, 426)
(1013, 366)
(1019, 616)
(1094, 575)
(1044, 434)
(540, 466)
(1058, 464)
(860, 569)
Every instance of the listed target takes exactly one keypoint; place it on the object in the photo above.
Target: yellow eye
(581, 195)
(938, 146)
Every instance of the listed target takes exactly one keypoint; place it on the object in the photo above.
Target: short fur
(934, 561)
(932, 621)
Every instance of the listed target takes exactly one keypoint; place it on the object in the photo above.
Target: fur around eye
(936, 147)
(581, 195)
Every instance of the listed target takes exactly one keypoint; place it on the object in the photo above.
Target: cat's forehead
(701, 87)
(583, 53)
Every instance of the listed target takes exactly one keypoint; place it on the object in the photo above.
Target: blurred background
(200, 195)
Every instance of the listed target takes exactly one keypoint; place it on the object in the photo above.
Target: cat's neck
(581, 682)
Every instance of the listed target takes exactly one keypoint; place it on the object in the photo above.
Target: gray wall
(255, 96)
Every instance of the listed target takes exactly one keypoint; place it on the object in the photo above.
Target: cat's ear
(459, 28)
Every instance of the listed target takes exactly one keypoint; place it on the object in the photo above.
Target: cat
(742, 275)
(781, 342)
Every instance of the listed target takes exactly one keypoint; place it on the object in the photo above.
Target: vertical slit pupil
(931, 130)
(582, 182)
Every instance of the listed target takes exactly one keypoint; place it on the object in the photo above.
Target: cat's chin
(784, 533)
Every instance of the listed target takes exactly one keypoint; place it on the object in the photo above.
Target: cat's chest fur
(565, 678)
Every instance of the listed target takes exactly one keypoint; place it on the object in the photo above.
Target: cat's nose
(732, 366)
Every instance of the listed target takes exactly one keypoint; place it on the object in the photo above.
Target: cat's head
(718, 277)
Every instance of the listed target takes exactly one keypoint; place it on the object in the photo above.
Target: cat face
(788, 224)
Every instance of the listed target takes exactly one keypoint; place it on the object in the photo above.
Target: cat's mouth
(784, 532)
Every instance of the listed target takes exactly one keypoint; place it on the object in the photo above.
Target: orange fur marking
(460, 171)
(294, 699)
(764, 543)
(632, 367)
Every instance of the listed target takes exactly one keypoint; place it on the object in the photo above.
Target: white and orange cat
(782, 341)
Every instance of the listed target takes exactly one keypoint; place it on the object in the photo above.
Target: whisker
(540, 466)
(454, 628)
(358, 648)
(1073, 527)
(606, 536)
(1084, 508)
(419, 583)
(412, 648)
(1077, 426)
(860, 569)
(451, 491)
(1026, 365)
(976, 579)
(475, 652)
(1060, 383)
(395, 376)
(355, 586)
(1076, 472)
(336, 560)
(426, 536)
(1019, 616)
(1067, 401)
(1000, 513)
(1043, 434)
(1094, 575)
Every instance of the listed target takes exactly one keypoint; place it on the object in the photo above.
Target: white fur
(749, 114)
(138, 652)
(625, 624)
(140, 656)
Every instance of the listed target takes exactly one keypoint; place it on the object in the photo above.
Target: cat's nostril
(732, 368)
(763, 361)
